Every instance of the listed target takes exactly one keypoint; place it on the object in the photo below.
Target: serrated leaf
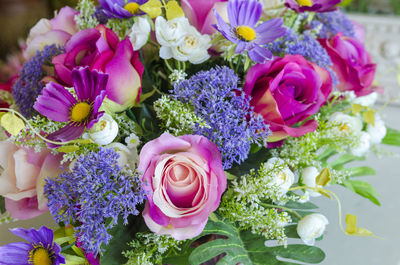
(361, 171)
(369, 117)
(68, 148)
(392, 137)
(152, 8)
(364, 189)
(248, 248)
(11, 123)
(324, 177)
(173, 10)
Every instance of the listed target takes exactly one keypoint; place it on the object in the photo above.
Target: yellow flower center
(305, 2)
(245, 33)
(80, 111)
(132, 7)
(344, 128)
(40, 256)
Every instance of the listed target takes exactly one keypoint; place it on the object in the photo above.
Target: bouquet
(186, 132)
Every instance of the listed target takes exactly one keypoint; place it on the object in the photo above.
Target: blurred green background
(18, 16)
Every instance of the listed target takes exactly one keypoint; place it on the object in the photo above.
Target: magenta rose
(23, 179)
(351, 63)
(201, 15)
(184, 180)
(101, 50)
(285, 91)
(55, 31)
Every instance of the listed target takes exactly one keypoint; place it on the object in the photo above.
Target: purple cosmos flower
(41, 250)
(243, 16)
(121, 9)
(312, 5)
(58, 104)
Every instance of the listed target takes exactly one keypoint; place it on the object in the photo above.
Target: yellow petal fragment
(173, 10)
(369, 117)
(353, 230)
(68, 148)
(324, 177)
(152, 8)
(356, 108)
(12, 123)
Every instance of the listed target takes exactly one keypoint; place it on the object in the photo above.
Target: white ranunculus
(171, 33)
(308, 177)
(363, 146)
(311, 227)
(284, 178)
(368, 100)
(194, 47)
(104, 131)
(140, 32)
(377, 132)
(127, 156)
(347, 123)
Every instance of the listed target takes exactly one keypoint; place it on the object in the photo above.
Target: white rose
(347, 123)
(283, 179)
(194, 47)
(311, 227)
(126, 156)
(104, 131)
(140, 33)
(363, 146)
(368, 100)
(170, 33)
(308, 176)
(377, 132)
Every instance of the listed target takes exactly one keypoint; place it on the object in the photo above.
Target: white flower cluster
(181, 41)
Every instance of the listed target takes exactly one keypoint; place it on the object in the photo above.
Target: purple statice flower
(122, 9)
(58, 104)
(94, 192)
(319, 6)
(232, 124)
(332, 23)
(29, 83)
(41, 250)
(243, 16)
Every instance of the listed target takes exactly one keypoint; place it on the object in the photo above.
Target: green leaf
(2, 205)
(121, 236)
(302, 206)
(392, 137)
(344, 159)
(248, 248)
(326, 155)
(361, 171)
(364, 189)
(252, 162)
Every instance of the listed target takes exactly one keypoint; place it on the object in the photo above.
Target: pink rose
(55, 31)
(184, 180)
(351, 63)
(286, 91)
(23, 178)
(101, 50)
(201, 15)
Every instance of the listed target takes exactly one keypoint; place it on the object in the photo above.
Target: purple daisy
(41, 250)
(121, 8)
(319, 6)
(243, 16)
(58, 104)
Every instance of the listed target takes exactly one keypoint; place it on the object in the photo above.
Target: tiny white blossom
(140, 32)
(284, 178)
(132, 141)
(177, 76)
(104, 131)
(311, 227)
